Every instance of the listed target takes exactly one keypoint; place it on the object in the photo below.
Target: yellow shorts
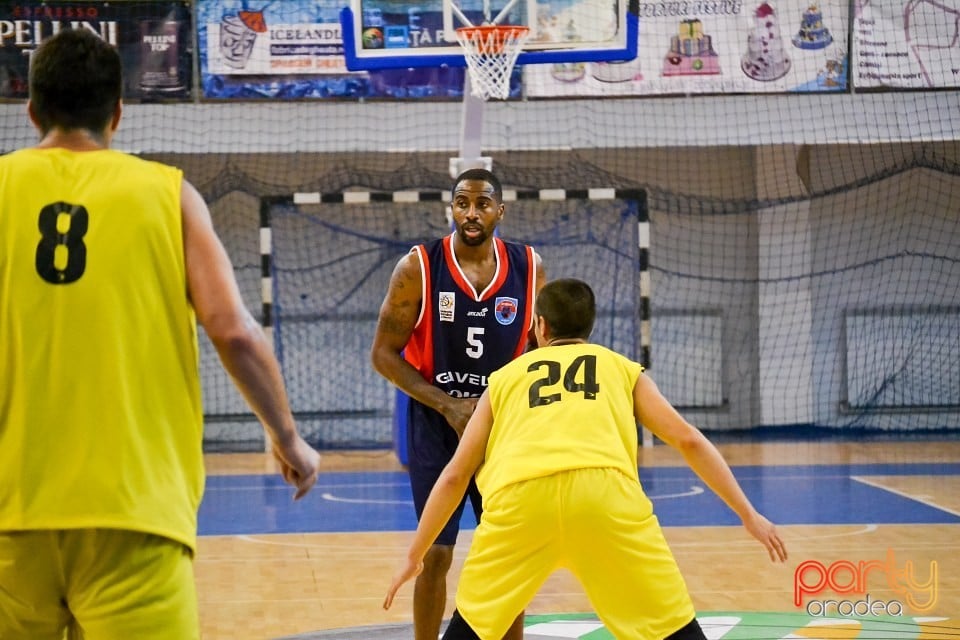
(101, 584)
(595, 522)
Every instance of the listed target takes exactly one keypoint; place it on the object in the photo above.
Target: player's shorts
(430, 446)
(101, 584)
(595, 522)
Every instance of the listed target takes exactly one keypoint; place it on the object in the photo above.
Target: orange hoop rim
(478, 36)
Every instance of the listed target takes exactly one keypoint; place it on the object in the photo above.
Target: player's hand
(459, 412)
(299, 464)
(409, 570)
(765, 531)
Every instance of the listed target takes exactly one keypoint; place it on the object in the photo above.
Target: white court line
(870, 528)
(903, 494)
(740, 477)
(340, 548)
(348, 485)
(867, 529)
(333, 498)
(694, 491)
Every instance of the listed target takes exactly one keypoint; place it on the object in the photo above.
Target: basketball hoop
(491, 51)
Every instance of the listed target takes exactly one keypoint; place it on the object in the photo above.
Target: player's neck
(473, 253)
(73, 140)
(556, 342)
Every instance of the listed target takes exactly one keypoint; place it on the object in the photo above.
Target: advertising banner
(154, 38)
(714, 47)
(910, 44)
(293, 49)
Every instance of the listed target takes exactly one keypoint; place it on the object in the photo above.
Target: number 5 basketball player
(456, 309)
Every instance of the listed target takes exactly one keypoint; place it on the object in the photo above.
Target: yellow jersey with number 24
(558, 408)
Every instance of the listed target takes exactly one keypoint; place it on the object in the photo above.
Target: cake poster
(293, 49)
(909, 44)
(154, 38)
(715, 47)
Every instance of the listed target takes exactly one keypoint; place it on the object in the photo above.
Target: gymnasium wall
(761, 208)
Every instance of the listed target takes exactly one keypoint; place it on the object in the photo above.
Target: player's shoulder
(514, 245)
(408, 266)
(19, 157)
(134, 165)
(605, 357)
(428, 251)
(430, 247)
(607, 352)
(12, 156)
(145, 164)
(518, 253)
(9, 159)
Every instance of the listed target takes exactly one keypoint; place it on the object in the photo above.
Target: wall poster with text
(154, 38)
(906, 44)
(293, 49)
(715, 47)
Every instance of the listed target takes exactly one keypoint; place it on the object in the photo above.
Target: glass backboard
(419, 33)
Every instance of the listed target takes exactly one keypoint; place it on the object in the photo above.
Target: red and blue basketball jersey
(462, 334)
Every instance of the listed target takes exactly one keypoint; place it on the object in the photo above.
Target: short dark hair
(569, 307)
(76, 80)
(484, 175)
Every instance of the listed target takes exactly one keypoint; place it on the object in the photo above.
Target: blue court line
(381, 501)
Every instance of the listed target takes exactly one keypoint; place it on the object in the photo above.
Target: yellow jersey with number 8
(100, 408)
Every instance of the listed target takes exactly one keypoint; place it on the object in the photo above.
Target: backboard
(384, 34)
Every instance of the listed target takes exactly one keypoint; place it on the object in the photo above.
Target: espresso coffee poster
(155, 41)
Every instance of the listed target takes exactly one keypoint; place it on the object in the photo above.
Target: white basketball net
(491, 51)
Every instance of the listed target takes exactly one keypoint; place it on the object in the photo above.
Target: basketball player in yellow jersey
(106, 262)
(554, 437)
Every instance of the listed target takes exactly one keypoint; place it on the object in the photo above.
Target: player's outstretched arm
(395, 324)
(658, 415)
(240, 341)
(446, 494)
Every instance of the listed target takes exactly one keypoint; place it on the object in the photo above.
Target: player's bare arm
(446, 494)
(395, 324)
(654, 411)
(541, 279)
(240, 342)
(541, 274)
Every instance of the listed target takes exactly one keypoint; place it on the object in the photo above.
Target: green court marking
(599, 634)
(753, 625)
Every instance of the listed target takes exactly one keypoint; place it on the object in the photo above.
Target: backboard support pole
(471, 131)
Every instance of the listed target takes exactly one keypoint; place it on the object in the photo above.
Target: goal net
(804, 249)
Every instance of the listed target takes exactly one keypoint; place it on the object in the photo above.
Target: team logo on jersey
(506, 310)
(445, 303)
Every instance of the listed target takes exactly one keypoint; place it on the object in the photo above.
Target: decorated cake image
(616, 70)
(833, 75)
(766, 58)
(812, 34)
(691, 52)
(569, 71)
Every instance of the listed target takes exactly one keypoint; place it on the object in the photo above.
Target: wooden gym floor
(268, 568)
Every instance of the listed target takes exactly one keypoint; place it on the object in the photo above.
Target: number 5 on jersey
(474, 342)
